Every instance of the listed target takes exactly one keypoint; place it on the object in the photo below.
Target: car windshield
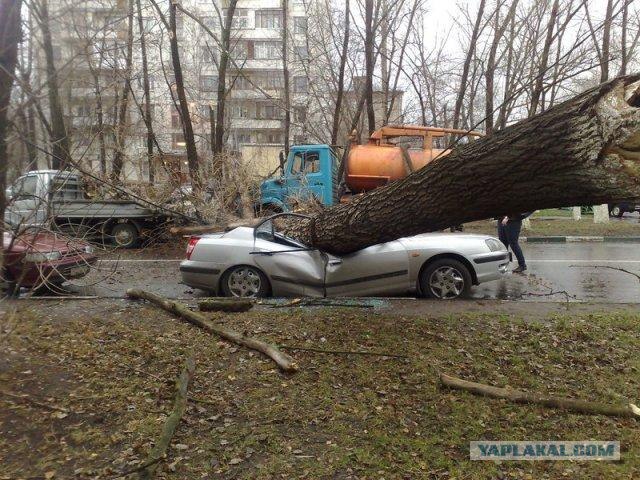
(275, 230)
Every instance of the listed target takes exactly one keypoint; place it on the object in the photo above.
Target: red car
(35, 259)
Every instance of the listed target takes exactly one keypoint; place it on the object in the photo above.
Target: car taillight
(192, 244)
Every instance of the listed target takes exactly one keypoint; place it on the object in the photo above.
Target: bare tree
(343, 63)
(60, 139)
(146, 98)
(369, 40)
(285, 74)
(225, 52)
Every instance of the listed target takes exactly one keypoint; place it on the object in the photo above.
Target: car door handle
(335, 262)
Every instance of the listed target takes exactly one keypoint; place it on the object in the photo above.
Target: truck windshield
(26, 187)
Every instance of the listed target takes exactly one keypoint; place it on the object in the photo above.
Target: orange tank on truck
(391, 153)
(383, 159)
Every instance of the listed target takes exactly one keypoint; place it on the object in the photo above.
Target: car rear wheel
(446, 279)
(245, 281)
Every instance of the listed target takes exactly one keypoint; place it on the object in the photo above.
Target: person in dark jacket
(509, 227)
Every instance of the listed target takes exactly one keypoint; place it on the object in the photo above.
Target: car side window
(298, 163)
(26, 187)
(312, 162)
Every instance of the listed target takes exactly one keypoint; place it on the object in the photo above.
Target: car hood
(440, 239)
(39, 242)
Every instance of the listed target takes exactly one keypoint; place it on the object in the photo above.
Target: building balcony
(256, 124)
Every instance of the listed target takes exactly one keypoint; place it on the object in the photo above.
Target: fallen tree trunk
(168, 429)
(517, 396)
(225, 305)
(585, 151)
(284, 361)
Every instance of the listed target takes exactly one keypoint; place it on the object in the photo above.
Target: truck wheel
(616, 211)
(124, 235)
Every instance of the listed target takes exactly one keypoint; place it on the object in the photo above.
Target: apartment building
(89, 38)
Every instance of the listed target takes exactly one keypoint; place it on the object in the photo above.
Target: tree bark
(9, 38)
(118, 158)
(284, 361)
(517, 396)
(343, 63)
(544, 60)
(222, 77)
(148, 121)
(285, 74)
(457, 109)
(369, 64)
(60, 140)
(580, 152)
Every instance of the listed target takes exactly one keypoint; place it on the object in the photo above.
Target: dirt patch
(112, 365)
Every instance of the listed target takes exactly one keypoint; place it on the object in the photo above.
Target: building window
(208, 54)
(208, 83)
(300, 25)
(238, 51)
(268, 111)
(302, 52)
(300, 84)
(272, 80)
(210, 22)
(240, 18)
(177, 141)
(241, 83)
(175, 119)
(83, 110)
(267, 50)
(300, 114)
(243, 138)
(268, 18)
(239, 111)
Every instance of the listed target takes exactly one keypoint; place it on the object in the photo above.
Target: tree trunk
(606, 42)
(369, 64)
(544, 60)
(148, 121)
(343, 63)
(457, 109)
(285, 74)
(580, 152)
(61, 147)
(9, 38)
(118, 159)
(222, 77)
(187, 126)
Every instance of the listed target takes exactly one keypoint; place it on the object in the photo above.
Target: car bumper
(202, 275)
(58, 271)
(491, 266)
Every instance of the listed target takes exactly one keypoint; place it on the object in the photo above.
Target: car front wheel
(244, 281)
(446, 279)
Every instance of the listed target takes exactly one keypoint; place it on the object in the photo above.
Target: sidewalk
(570, 238)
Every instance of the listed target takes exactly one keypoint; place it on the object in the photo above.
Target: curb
(576, 239)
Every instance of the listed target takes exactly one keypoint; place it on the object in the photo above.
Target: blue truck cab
(309, 170)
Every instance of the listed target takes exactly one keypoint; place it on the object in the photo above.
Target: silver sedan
(260, 261)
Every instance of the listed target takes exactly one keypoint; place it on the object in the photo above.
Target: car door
(293, 270)
(381, 269)
(26, 207)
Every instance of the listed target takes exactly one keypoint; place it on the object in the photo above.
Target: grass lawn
(561, 227)
(340, 416)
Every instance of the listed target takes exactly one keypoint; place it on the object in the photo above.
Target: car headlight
(88, 249)
(494, 244)
(37, 257)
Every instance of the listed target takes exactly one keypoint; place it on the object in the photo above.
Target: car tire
(124, 235)
(445, 279)
(616, 211)
(244, 281)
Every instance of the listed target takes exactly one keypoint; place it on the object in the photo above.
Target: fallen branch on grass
(518, 396)
(24, 398)
(343, 352)
(159, 451)
(284, 361)
(225, 305)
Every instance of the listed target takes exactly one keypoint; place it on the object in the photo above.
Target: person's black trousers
(509, 235)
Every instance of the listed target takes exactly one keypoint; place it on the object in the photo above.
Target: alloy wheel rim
(446, 282)
(244, 282)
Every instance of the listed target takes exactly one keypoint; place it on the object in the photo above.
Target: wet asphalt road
(583, 272)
